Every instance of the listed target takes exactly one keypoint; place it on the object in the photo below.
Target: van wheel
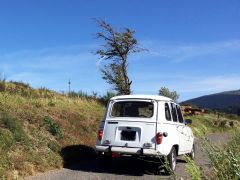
(104, 159)
(172, 159)
(192, 153)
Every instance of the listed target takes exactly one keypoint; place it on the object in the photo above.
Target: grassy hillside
(38, 127)
(224, 159)
(35, 124)
(211, 122)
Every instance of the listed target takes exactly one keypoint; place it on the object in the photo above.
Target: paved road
(129, 168)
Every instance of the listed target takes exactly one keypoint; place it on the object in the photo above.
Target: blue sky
(194, 46)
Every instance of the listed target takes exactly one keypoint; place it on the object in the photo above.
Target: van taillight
(159, 137)
(100, 134)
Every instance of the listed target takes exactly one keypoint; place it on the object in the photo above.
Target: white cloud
(51, 67)
(46, 58)
(187, 86)
(219, 83)
(185, 51)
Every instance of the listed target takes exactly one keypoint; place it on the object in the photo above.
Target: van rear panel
(130, 123)
(130, 134)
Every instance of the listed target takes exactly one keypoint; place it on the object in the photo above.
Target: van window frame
(165, 110)
(179, 114)
(174, 109)
(132, 100)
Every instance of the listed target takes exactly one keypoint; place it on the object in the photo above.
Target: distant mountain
(228, 101)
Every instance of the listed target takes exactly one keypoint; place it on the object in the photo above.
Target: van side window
(167, 112)
(174, 112)
(179, 113)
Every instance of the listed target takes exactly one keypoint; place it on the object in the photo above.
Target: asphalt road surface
(130, 168)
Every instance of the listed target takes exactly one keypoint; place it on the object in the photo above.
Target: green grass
(192, 169)
(52, 127)
(7, 142)
(225, 161)
(210, 123)
(15, 126)
(35, 124)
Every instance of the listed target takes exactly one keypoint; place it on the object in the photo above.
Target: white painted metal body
(177, 133)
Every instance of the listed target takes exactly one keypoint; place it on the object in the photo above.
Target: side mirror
(188, 121)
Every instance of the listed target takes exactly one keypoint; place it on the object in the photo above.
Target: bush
(4, 166)
(51, 103)
(15, 127)
(54, 146)
(80, 94)
(105, 99)
(6, 140)
(53, 127)
(225, 162)
(192, 169)
(2, 85)
(21, 84)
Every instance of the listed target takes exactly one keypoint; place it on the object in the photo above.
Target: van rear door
(131, 123)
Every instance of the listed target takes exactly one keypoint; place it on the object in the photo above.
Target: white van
(145, 125)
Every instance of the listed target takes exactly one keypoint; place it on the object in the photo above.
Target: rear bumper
(127, 150)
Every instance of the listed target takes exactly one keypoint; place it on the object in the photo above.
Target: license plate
(128, 135)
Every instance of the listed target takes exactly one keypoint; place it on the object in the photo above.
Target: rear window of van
(140, 109)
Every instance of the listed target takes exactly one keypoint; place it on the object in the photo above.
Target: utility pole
(69, 87)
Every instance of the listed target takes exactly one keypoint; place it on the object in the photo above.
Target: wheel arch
(176, 146)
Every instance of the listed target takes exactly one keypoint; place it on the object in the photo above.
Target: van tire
(172, 159)
(192, 153)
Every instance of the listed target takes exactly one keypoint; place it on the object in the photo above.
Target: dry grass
(225, 162)
(209, 123)
(27, 143)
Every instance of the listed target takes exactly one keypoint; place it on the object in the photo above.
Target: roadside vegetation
(35, 124)
(213, 122)
(38, 125)
(224, 159)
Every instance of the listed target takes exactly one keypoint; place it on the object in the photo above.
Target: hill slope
(228, 101)
(36, 124)
(42, 130)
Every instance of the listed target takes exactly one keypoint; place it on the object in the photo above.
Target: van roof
(151, 97)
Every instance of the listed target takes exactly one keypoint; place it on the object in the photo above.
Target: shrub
(2, 85)
(6, 140)
(51, 103)
(105, 99)
(80, 94)
(45, 93)
(4, 166)
(37, 104)
(54, 146)
(20, 84)
(53, 127)
(192, 169)
(15, 127)
(225, 162)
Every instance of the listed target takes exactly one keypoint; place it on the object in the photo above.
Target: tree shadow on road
(84, 158)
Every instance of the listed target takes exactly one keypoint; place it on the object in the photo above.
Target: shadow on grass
(76, 154)
(84, 158)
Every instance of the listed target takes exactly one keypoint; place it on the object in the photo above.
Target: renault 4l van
(145, 125)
